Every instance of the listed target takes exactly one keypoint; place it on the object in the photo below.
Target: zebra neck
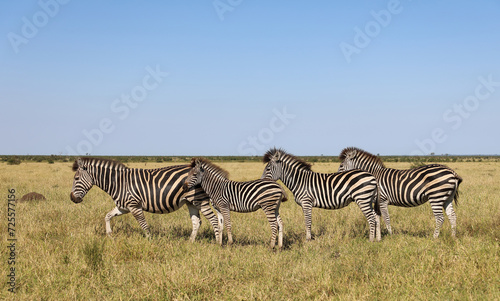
(376, 170)
(290, 177)
(109, 180)
(213, 184)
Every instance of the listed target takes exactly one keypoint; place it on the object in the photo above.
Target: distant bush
(417, 160)
(14, 161)
(417, 164)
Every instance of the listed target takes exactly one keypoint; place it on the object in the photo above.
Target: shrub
(14, 161)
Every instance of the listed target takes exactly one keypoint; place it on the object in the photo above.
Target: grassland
(63, 252)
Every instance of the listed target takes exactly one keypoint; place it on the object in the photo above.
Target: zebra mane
(205, 163)
(281, 153)
(86, 161)
(75, 165)
(358, 153)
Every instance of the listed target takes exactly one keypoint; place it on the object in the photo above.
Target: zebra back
(328, 191)
(157, 190)
(241, 196)
(408, 188)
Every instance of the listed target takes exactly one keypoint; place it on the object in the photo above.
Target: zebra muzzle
(75, 199)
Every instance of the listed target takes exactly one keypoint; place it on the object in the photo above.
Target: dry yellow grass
(63, 252)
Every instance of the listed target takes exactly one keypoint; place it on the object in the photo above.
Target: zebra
(137, 190)
(327, 191)
(227, 195)
(435, 183)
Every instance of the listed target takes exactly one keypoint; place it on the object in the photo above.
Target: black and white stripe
(227, 195)
(435, 183)
(137, 190)
(327, 191)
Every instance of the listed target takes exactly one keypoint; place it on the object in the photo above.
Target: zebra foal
(327, 191)
(227, 195)
(435, 183)
(137, 190)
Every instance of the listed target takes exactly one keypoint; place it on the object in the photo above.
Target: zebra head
(355, 158)
(274, 167)
(347, 159)
(82, 181)
(195, 174)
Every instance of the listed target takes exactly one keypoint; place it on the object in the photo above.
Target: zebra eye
(84, 167)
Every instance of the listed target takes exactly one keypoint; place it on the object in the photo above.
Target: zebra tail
(377, 203)
(455, 197)
(284, 199)
(283, 193)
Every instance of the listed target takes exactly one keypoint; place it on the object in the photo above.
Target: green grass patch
(63, 251)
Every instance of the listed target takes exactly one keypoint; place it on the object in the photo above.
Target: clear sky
(236, 77)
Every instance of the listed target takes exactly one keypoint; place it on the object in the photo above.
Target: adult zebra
(137, 190)
(435, 183)
(327, 191)
(227, 195)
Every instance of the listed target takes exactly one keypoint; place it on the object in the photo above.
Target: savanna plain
(63, 253)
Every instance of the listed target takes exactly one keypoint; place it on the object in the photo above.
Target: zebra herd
(362, 178)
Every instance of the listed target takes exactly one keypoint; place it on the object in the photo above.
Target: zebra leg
(437, 209)
(139, 216)
(384, 209)
(227, 223)
(370, 216)
(115, 212)
(220, 221)
(450, 212)
(195, 219)
(307, 209)
(280, 231)
(378, 234)
(271, 214)
(208, 213)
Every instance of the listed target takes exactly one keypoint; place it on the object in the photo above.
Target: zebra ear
(198, 163)
(351, 154)
(80, 162)
(276, 156)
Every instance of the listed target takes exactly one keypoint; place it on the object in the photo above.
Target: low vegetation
(63, 251)
(418, 160)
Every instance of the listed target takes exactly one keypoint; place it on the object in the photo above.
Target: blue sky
(235, 77)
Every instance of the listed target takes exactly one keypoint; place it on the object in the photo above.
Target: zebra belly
(166, 201)
(408, 202)
(243, 208)
(331, 206)
(163, 207)
(331, 203)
